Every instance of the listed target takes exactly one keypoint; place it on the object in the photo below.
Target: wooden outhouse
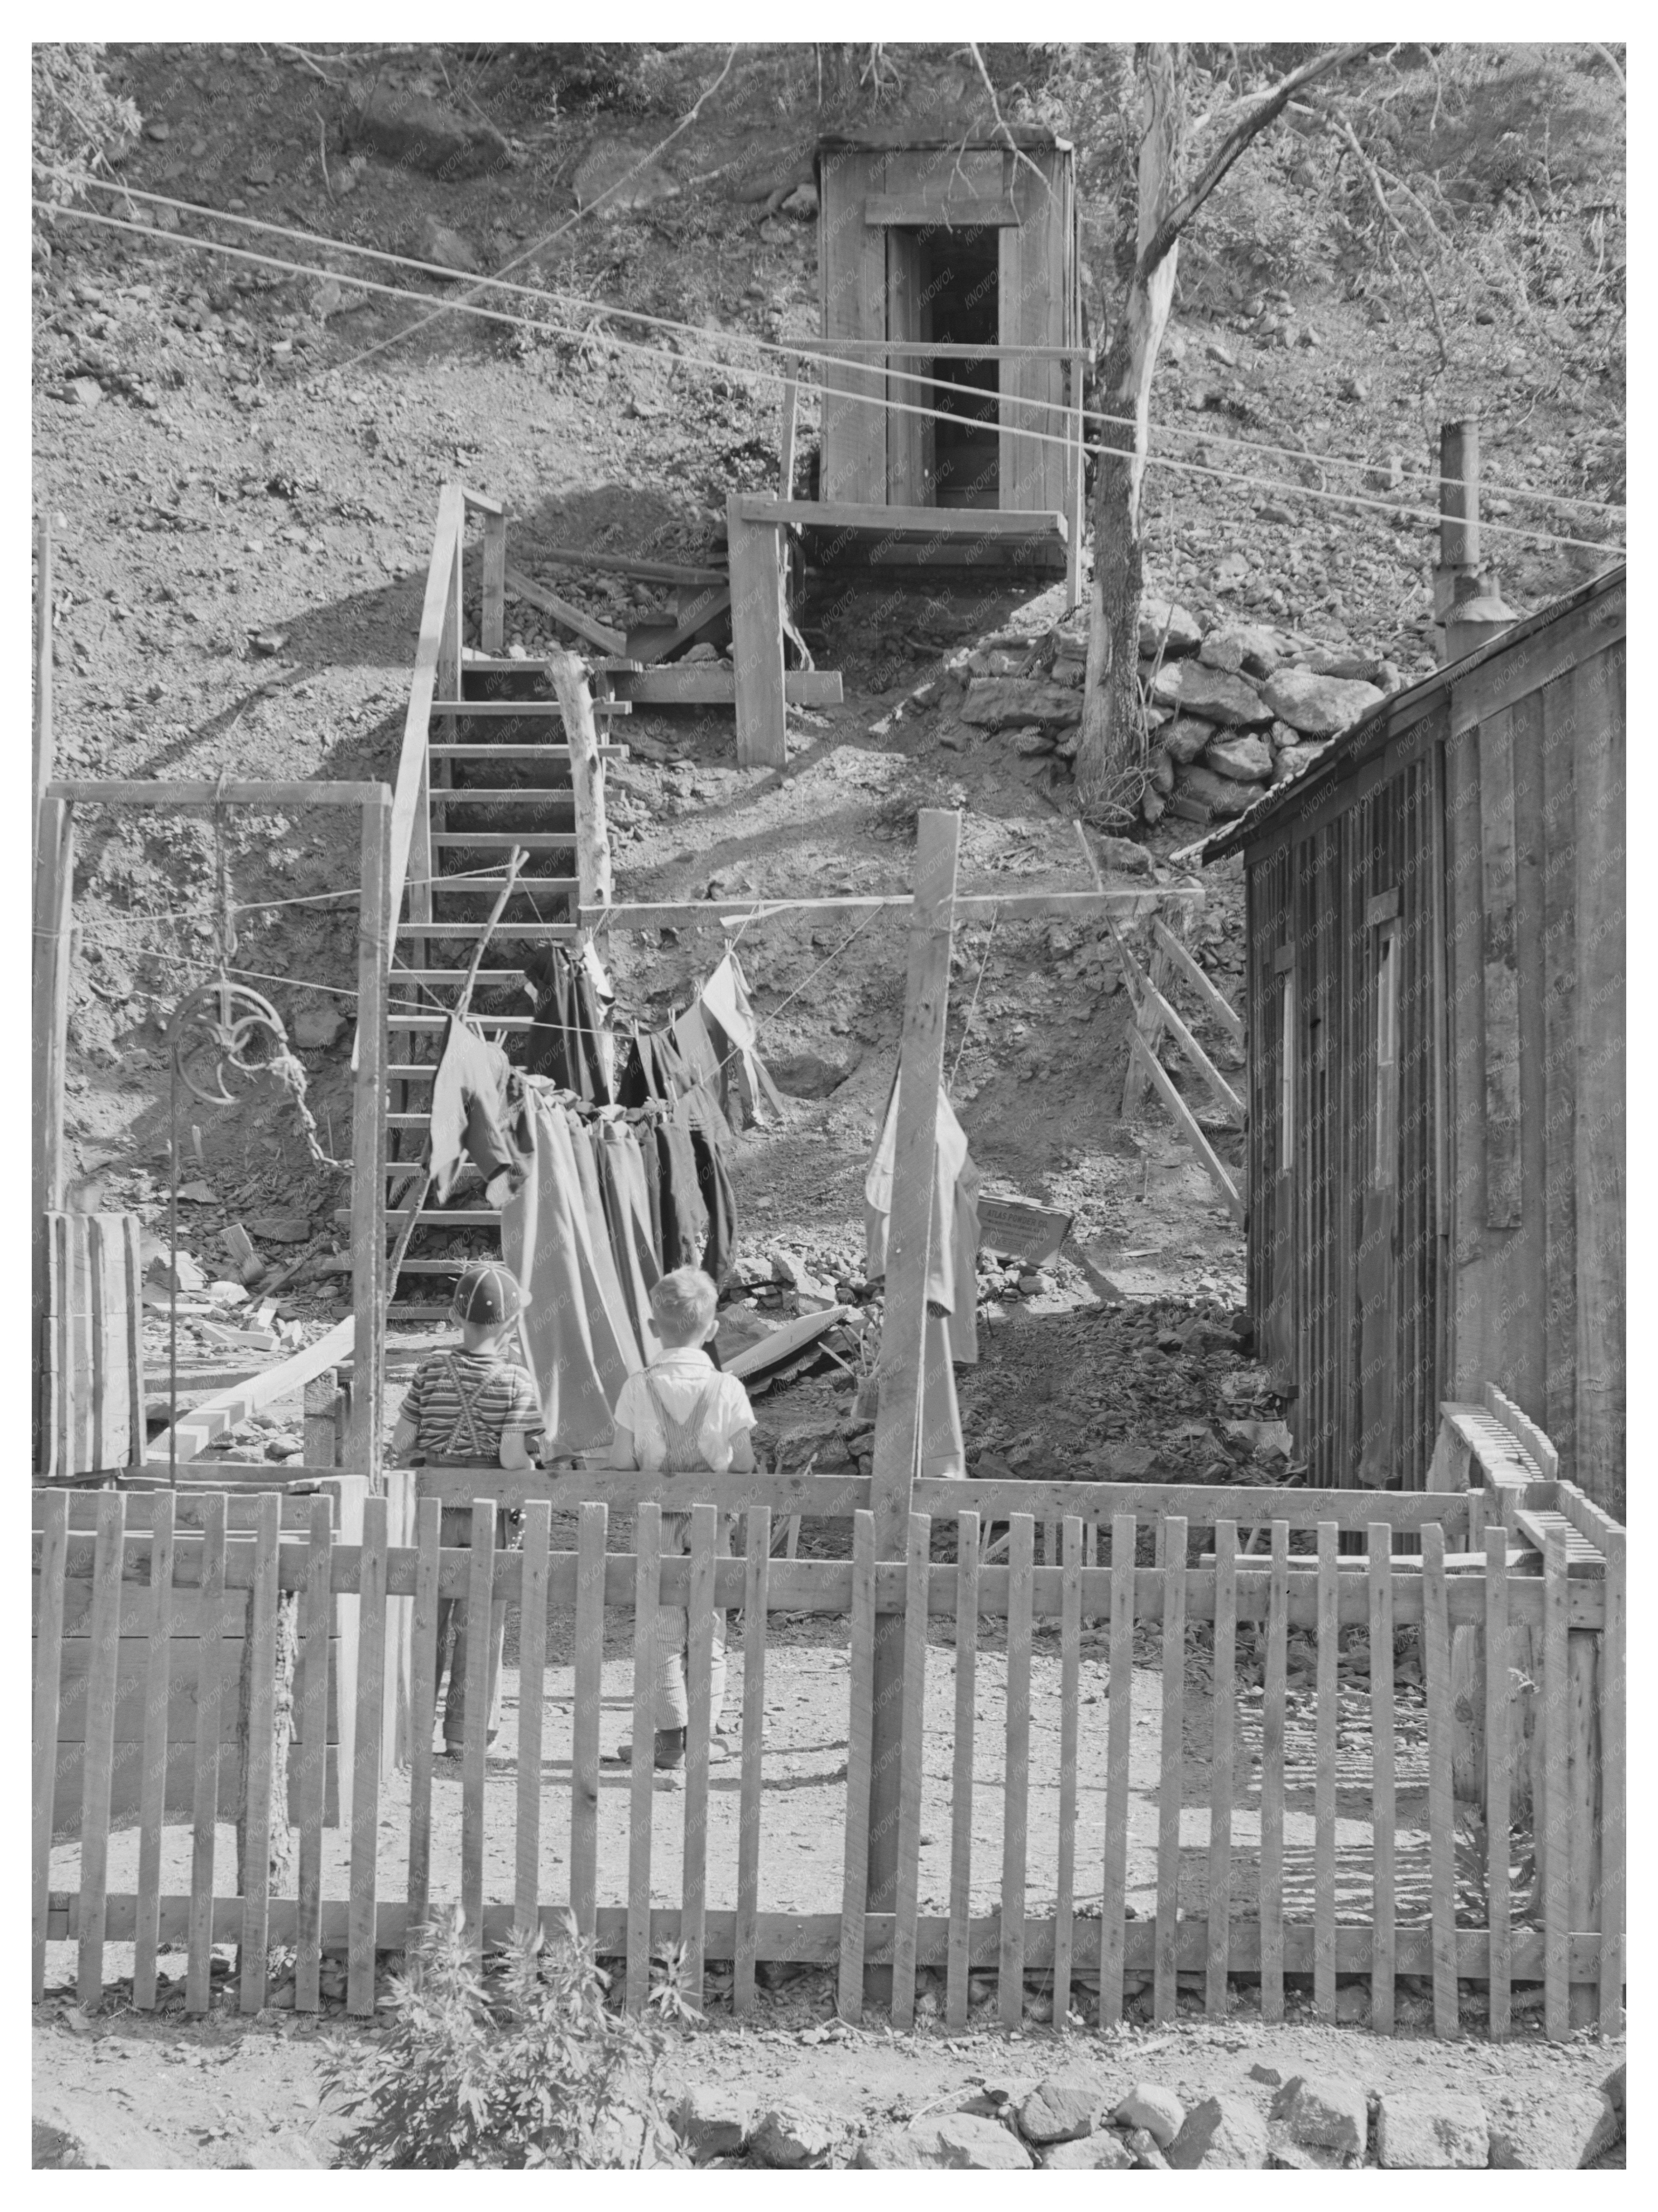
(956, 263)
(1436, 1022)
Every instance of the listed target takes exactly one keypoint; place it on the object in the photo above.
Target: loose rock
(1221, 794)
(1425, 2127)
(1293, 760)
(713, 2122)
(1559, 2132)
(436, 242)
(1248, 758)
(426, 136)
(1058, 2110)
(1324, 2112)
(1158, 617)
(1220, 2132)
(1212, 694)
(957, 2141)
(792, 2135)
(1185, 738)
(315, 1027)
(1101, 2152)
(1159, 2111)
(1012, 702)
(1318, 706)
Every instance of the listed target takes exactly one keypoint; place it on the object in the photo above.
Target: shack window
(1386, 1056)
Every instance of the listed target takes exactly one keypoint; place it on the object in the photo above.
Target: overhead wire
(888, 406)
(800, 351)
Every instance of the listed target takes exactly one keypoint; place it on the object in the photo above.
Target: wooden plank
(1223, 1701)
(1274, 1679)
(1169, 1791)
(961, 1780)
(898, 1414)
(54, 888)
(1225, 1096)
(1383, 1777)
(1207, 1156)
(852, 277)
(532, 1697)
(750, 1801)
(1113, 1906)
(259, 1769)
(756, 604)
(537, 595)
(1031, 314)
(1260, 1502)
(226, 1409)
(906, 1892)
(1325, 1718)
(99, 1754)
(43, 748)
(423, 1703)
(311, 1708)
(157, 1692)
(48, 1660)
(1559, 1061)
(1498, 1693)
(927, 522)
(1442, 1811)
(1598, 1460)
(365, 1779)
(1553, 1815)
(699, 1671)
(1502, 1005)
(378, 900)
(591, 1538)
(925, 210)
(115, 791)
(1514, 672)
(1022, 1535)
(208, 1721)
(647, 1576)
(703, 684)
(1071, 1622)
(1613, 1785)
(854, 1889)
(492, 626)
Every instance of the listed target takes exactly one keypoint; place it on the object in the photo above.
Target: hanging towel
(563, 1043)
(746, 1093)
(470, 1120)
(628, 1216)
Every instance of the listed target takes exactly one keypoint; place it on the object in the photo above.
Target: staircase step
(483, 750)
(409, 1120)
(499, 665)
(537, 795)
(441, 1021)
(528, 841)
(543, 932)
(530, 887)
(516, 710)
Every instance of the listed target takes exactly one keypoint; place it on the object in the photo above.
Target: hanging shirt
(686, 1383)
(469, 1116)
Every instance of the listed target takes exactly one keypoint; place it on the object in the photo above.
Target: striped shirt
(499, 1395)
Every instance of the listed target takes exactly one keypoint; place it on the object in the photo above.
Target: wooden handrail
(411, 758)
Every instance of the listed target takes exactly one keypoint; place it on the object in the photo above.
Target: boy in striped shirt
(476, 1407)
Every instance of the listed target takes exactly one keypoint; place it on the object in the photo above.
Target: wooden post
(54, 887)
(756, 639)
(368, 1139)
(1076, 459)
(322, 1419)
(897, 1420)
(1584, 1804)
(569, 678)
(493, 631)
(44, 745)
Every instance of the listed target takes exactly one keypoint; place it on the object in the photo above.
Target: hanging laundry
(603, 993)
(563, 1043)
(746, 1093)
(951, 1331)
(628, 1215)
(685, 1219)
(582, 1340)
(469, 1117)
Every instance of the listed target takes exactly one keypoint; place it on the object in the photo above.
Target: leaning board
(89, 1380)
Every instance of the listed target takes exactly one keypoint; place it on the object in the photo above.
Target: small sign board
(1019, 1231)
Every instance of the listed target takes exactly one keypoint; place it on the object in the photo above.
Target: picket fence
(1467, 1573)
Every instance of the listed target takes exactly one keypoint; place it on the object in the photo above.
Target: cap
(486, 1294)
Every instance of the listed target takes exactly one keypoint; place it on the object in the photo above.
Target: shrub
(78, 122)
(520, 2065)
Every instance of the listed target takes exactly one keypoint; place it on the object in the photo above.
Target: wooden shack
(955, 260)
(1436, 1021)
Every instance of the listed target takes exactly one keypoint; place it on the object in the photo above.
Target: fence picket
(98, 1752)
(1220, 1767)
(260, 1754)
(860, 1723)
(1553, 1822)
(961, 1780)
(1497, 1754)
(315, 1619)
(365, 1778)
(1273, 1674)
(209, 1691)
(694, 1902)
(1382, 1802)
(1442, 1805)
(1166, 1940)
(474, 1721)
(756, 1585)
(1613, 1784)
(906, 1891)
(1070, 1626)
(641, 1781)
(532, 1699)
(592, 1531)
(1325, 1714)
(48, 1687)
(158, 1690)
(1113, 1896)
(1021, 1567)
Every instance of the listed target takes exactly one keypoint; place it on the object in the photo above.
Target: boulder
(1353, 668)
(1318, 706)
(1249, 758)
(1027, 743)
(1431, 2128)
(1101, 2152)
(315, 1027)
(793, 2135)
(1010, 703)
(1280, 735)
(420, 133)
(1293, 760)
(1185, 737)
(1244, 646)
(1211, 694)
(1556, 2133)
(802, 202)
(280, 1227)
(713, 2122)
(1158, 617)
(614, 179)
(1122, 856)
(1145, 2149)
(1220, 2132)
(1059, 2109)
(1323, 2111)
(1159, 2111)
(807, 1075)
(1221, 794)
(435, 241)
(961, 2142)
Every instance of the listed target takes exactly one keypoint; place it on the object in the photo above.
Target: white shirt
(682, 1376)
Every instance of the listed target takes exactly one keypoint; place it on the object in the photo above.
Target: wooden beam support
(701, 684)
(375, 940)
(113, 791)
(492, 634)
(701, 611)
(43, 748)
(1225, 1096)
(898, 1416)
(54, 887)
(930, 210)
(1182, 1112)
(596, 632)
(1187, 967)
(757, 587)
(924, 521)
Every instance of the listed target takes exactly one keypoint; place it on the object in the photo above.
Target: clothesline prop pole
(897, 1421)
(568, 679)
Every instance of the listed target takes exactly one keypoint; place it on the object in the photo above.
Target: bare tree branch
(1344, 130)
(1240, 135)
(1017, 152)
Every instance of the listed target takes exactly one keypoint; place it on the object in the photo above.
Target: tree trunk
(1112, 746)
